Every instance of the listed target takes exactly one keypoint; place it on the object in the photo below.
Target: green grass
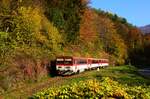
(121, 82)
(125, 75)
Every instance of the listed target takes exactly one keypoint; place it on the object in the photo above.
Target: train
(67, 65)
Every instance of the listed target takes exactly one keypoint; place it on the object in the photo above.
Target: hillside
(145, 29)
(34, 32)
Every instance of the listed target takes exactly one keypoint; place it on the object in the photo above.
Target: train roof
(80, 57)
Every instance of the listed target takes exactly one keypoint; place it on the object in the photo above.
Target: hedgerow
(94, 89)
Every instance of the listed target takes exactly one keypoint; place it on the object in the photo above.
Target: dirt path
(52, 82)
(28, 91)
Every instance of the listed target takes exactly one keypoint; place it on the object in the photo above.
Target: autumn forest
(34, 32)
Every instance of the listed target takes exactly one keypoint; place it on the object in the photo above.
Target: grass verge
(125, 75)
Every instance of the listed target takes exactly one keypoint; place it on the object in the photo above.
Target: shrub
(94, 89)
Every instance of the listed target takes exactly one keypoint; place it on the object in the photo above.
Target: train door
(75, 65)
(89, 64)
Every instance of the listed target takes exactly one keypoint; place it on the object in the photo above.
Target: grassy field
(125, 75)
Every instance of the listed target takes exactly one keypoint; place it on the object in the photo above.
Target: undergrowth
(95, 89)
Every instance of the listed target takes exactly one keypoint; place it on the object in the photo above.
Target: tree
(66, 16)
(88, 27)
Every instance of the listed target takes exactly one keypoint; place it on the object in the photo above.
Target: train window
(94, 61)
(81, 61)
(68, 61)
(59, 61)
(104, 61)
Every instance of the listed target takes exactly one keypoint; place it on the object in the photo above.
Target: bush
(94, 89)
(6, 48)
(28, 45)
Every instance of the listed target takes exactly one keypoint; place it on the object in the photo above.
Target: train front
(64, 65)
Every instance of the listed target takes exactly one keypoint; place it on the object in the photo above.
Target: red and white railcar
(66, 65)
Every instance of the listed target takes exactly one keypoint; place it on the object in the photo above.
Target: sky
(137, 12)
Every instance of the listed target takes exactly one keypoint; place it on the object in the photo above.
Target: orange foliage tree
(88, 30)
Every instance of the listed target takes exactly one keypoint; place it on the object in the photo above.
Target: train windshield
(60, 61)
(64, 61)
(68, 61)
